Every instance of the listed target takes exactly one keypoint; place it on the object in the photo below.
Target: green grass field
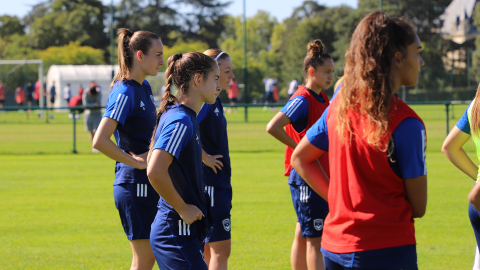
(57, 209)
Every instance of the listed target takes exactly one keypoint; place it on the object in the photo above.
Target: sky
(281, 9)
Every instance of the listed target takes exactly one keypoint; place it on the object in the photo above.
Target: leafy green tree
(66, 21)
(71, 54)
(476, 53)
(203, 22)
(9, 26)
(259, 54)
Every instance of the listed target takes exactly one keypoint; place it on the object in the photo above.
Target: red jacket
(315, 110)
(367, 200)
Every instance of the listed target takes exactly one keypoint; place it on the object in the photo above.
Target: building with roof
(457, 21)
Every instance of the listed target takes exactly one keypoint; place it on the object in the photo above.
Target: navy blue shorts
(175, 244)
(311, 210)
(394, 258)
(137, 206)
(474, 216)
(220, 207)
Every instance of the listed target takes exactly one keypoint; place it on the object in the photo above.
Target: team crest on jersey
(142, 105)
(216, 111)
(226, 224)
(153, 100)
(318, 224)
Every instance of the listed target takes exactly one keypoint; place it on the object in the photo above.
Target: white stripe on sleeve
(141, 190)
(119, 98)
(184, 228)
(121, 109)
(183, 128)
(292, 110)
(424, 149)
(172, 137)
(138, 190)
(180, 227)
(145, 190)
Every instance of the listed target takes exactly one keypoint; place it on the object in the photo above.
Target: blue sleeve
(318, 134)
(296, 108)
(120, 104)
(463, 124)
(203, 112)
(175, 134)
(410, 145)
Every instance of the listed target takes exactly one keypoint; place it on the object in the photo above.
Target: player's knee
(314, 242)
(222, 254)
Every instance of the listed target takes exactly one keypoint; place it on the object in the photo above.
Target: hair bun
(177, 56)
(316, 48)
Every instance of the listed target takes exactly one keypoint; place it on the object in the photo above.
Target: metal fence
(33, 130)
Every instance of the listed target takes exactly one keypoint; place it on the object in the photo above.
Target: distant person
(233, 95)
(92, 117)
(292, 87)
(67, 93)
(76, 101)
(36, 95)
(29, 93)
(269, 82)
(276, 95)
(2, 94)
(80, 88)
(20, 96)
(53, 94)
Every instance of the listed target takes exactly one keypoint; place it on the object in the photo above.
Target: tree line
(77, 32)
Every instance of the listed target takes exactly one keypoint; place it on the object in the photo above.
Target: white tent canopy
(81, 76)
(78, 76)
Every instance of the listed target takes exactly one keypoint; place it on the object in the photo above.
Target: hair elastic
(218, 56)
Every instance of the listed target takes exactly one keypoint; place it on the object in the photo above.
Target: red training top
(367, 200)
(20, 95)
(2, 92)
(315, 110)
(233, 92)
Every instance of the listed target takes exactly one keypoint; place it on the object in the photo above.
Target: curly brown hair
(367, 88)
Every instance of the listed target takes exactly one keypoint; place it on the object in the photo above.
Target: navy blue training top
(178, 134)
(132, 105)
(213, 130)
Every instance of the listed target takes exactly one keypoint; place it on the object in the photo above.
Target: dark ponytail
(128, 43)
(181, 68)
(316, 53)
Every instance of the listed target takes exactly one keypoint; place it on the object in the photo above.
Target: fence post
(74, 132)
(246, 114)
(446, 107)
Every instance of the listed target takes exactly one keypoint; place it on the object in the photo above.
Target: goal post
(40, 74)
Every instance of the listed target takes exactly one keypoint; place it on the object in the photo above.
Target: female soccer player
(302, 110)
(376, 147)
(452, 148)
(130, 116)
(175, 163)
(216, 168)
